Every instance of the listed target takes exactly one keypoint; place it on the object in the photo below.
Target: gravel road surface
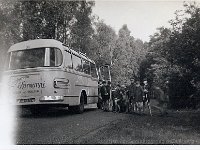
(59, 126)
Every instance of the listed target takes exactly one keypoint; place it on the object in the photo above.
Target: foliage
(127, 56)
(72, 23)
(102, 43)
(82, 31)
(66, 21)
(174, 56)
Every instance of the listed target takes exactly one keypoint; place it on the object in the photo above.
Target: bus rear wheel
(79, 109)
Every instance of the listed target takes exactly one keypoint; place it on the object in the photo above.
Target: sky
(141, 17)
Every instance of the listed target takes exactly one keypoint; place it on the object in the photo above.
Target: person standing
(104, 95)
(146, 89)
(117, 94)
(162, 103)
(123, 99)
(99, 104)
(146, 98)
(166, 91)
(131, 91)
(138, 95)
(108, 102)
(113, 97)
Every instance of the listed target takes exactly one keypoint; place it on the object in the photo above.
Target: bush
(180, 91)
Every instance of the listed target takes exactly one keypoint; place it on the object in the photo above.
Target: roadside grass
(178, 128)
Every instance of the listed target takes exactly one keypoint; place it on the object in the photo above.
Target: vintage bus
(45, 72)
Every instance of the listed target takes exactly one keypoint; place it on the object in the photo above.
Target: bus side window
(55, 57)
(68, 60)
(93, 70)
(77, 65)
(86, 66)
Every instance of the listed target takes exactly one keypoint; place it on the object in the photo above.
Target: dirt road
(97, 127)
(61, 127)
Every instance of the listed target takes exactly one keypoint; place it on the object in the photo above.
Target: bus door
(104, 73)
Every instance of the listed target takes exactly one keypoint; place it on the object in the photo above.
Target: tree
(185, 45)
(174, 56)
(82, 31)
(9, 27)
(102, 43)
(127, 56)
(66, 21)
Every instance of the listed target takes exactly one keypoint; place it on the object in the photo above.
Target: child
(138, 95)
(117, 96)
(131, 100)
(146, 97)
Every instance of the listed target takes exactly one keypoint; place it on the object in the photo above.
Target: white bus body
(45, 72)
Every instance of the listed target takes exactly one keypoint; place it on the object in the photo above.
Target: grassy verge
(177, 128)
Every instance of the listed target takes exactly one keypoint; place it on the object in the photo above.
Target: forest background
(172, 56)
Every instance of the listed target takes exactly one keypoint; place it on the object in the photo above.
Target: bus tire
(99, 105)
(80, 108)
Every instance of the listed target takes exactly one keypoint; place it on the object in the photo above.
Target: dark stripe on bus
(71, 96)
(78, 96)
(86, 85)
(93, 96)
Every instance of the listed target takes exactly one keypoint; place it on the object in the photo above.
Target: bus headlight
(51, 98)
(61, 83)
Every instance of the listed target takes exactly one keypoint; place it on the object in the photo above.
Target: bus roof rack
(84, 54)
(76, 50)
(64, 44)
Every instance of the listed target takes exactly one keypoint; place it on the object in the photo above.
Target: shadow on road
(50, 113)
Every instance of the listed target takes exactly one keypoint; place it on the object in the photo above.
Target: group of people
(132, 98)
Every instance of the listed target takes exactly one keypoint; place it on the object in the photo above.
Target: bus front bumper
(51, 99)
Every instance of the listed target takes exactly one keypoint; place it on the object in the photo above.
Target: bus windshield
(32, 58)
